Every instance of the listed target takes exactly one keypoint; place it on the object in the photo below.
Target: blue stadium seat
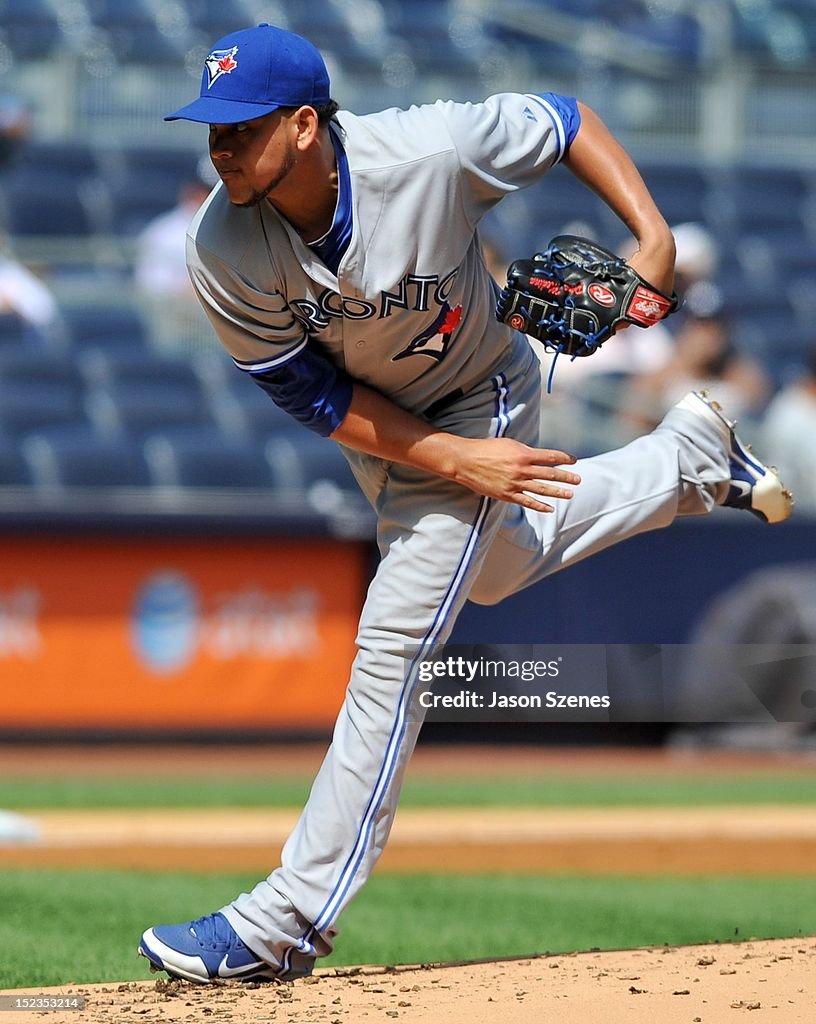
(69, 209)
(132, 209)
(104, 326)
(519, 46)
(206, 459)
(677, 34)
(14, 470)
(303, 460)
(27, 407)
(132, 31)
(16, 332)
(141, 408)
(217, 18)
(26, 364)
(525, 221)
(250, 409)
(169, 164)
(328, 27)
(423, 27)
(782, 253)
(795, 256)
(29, 28)
(784, 33)
(104, 366)
(682, 193)
(73, 159)
(141, 190)
(80, 457)
(770, 197)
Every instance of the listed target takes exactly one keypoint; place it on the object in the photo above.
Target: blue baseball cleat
(755, 487)
(204, 950)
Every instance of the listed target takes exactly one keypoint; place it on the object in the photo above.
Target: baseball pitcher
(339, 262)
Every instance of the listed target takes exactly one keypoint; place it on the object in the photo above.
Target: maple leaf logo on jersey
(218, 63)
(435, 340)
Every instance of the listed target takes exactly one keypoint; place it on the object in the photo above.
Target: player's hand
(511, 471)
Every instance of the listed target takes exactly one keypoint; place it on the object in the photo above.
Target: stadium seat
(132, 31)
(27, 407)
(14, 332)
(682, 193)
(14, 470)
(104, 326)
(103, 366)
(169, 164)
(68, 211)
(31, 365)
(678, 35)
(303, 460)
(423, 27)
(217, 18)
(771, 197)
(73, 159)
(80, 457)
(206, 459)
(140, 193)
(246, 408)
(29, 28)
(132, 209)
(140, 408)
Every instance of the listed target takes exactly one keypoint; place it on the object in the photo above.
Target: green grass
(551, 791)
(59, 927)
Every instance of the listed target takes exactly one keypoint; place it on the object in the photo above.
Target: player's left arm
(598, 160)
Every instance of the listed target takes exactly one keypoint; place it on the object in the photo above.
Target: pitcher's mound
(763, 980)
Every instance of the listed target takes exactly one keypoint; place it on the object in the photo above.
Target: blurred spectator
(160, 267)
(26, 302)
(789, 427)
(176, 319)
(703, 358)
(695, 272)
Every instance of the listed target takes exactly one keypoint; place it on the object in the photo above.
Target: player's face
(252, 157)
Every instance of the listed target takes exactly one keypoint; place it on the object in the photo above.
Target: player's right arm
(497, 467)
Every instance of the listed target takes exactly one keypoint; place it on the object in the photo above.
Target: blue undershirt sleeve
(311, 389)
(566, 108)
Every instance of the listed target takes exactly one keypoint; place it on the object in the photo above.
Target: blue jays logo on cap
(254, 71)
(220, 62)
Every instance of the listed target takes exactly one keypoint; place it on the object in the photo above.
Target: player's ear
(307, 125)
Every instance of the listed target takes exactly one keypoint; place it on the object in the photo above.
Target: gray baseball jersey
(411, 313)
(411, 309)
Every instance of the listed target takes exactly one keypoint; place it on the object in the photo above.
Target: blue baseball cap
(254, 71)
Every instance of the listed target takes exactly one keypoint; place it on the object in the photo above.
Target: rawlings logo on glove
(573, 296)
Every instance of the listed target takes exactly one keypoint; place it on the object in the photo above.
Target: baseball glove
(573, 296)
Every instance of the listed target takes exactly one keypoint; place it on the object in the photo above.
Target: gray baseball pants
(439, 545)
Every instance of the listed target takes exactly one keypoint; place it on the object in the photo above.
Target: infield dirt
(763, 981)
